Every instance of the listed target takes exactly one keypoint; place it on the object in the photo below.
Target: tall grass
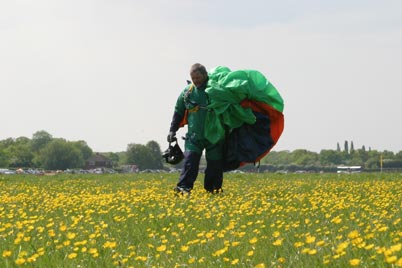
(261, 220)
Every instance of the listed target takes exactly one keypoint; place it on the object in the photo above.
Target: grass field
(261, 220)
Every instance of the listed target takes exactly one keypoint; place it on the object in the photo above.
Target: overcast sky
(109, 71)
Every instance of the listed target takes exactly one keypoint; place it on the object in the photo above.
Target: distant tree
(360, 157)
(338, 147)
(22, 140)
(60, 154)
(364, 148)
(4, 158)
(352, 147)
(40, 139)
(330, 157)
(20, 154)
(388, 154)
(21, 157)
(122, 157)
(374, 154)
(156, 154)
(373, 159)
(277, 158)
(346, 147)
(114, 157)
(7, 142)
(85, 150)
(139, 155)
(144, 156)
(304, 157)
(372, 163)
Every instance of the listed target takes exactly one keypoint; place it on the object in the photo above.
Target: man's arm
(178, 115)
(174, 125)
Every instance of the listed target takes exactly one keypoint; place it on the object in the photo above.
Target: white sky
(109, 71)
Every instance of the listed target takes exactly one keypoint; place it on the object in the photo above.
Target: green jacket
(194, 102)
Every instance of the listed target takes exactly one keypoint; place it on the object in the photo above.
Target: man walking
(192, 107)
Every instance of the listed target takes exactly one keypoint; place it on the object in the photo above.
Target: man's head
(199, 75)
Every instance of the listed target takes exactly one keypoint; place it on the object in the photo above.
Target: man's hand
(171, 137)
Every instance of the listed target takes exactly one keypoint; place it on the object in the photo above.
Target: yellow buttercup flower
(220, 252)
(320, 243)
(298, 244)
(72, 255)
(310, 239)
(391, 259)
(20, 261)
(235, 261)
(6, 253)
(141, 258)
(354, 262)
(109, 244)
(161, 248)
(71, 235)
(396, 248)
(253, 240)
(353, 234)
(235, 243)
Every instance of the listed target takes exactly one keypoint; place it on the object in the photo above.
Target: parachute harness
(195, 105)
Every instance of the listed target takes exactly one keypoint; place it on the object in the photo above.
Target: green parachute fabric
(247, 111)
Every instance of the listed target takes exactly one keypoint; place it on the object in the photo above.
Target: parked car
(7, 171)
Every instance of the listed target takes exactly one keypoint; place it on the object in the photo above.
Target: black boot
(213, 175)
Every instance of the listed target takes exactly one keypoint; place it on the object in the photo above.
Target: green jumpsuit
(195, 101)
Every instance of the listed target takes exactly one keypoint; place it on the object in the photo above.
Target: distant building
(98, 161)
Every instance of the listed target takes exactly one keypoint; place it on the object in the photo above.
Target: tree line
(46, 152)
(328, 160)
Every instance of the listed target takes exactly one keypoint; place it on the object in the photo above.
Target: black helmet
(173, 155)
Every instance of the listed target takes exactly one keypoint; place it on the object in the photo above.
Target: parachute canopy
(247, 111)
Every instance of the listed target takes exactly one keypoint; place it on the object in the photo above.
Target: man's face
(198, 78)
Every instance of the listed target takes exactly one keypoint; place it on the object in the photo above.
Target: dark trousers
(213, 173)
